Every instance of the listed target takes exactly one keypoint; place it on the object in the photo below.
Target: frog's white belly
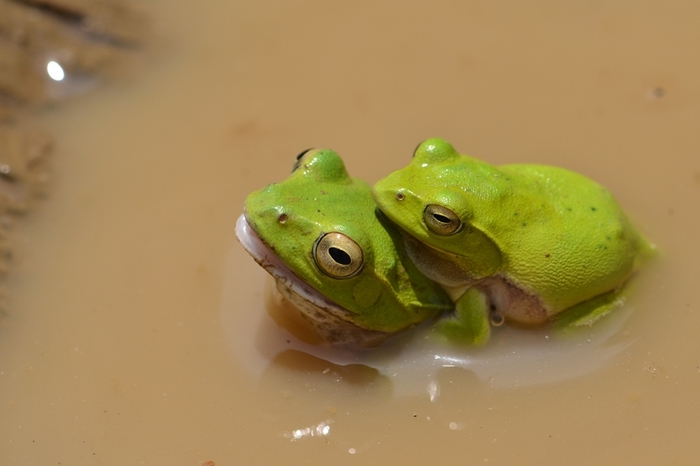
(506, 298)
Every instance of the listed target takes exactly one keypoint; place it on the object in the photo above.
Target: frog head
(435, 200)
(334, 256)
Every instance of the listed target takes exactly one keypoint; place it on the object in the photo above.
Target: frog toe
(590, 311)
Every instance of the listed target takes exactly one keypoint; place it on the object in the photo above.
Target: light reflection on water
(322, 429)
(55, 71)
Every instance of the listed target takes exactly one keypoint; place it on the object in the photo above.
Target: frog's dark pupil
(441, 218)
(340, 256)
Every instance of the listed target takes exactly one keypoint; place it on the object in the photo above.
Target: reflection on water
(411, 361)
(321, 429)
(55, 71)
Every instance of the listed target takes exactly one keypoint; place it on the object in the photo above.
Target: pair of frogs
(448, 238)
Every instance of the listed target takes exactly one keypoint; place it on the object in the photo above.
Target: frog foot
(590, 311)
(470, 323)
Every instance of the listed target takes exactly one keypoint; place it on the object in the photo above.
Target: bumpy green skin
(389, 294)
(554, 233)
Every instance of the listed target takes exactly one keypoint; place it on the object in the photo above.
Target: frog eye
(441, 220)
(297, 161)
(337, 255)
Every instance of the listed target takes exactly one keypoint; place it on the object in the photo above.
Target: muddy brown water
(136, 332)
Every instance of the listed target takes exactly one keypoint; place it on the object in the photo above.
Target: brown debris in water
(89, 40)
(23, 155)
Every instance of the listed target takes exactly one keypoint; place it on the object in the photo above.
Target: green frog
(522, 243)
(334, 256)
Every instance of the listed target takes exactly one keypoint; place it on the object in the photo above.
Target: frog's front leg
(587, 312)
(469, 324)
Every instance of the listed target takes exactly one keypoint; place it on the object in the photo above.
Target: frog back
(569, 240)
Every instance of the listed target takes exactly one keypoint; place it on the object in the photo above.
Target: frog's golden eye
(297, 162)
(337, 255)
(441, 220)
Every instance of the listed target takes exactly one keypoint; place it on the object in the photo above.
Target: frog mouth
(330, 320)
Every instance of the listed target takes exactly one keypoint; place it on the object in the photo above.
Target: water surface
(122, 346)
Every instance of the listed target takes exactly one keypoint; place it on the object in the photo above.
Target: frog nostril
(400, 196)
